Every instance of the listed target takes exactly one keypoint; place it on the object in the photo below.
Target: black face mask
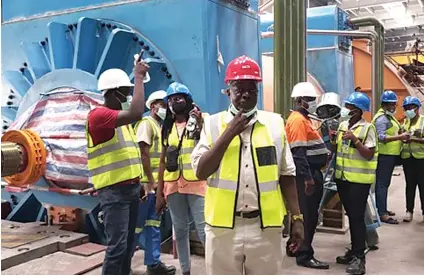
(178, 108)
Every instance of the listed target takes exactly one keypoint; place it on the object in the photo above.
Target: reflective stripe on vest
(152, 223)
(154, 150)
(350, 165)
(415, 149)
(114, 161)
(184, 159)
(394, 147)
(221, 193)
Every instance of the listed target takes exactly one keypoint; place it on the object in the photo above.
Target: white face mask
(344, 114)
(410, 113)
(312, 107)
(388, 112)
(126, 105)
(161, 113)
(247, 114)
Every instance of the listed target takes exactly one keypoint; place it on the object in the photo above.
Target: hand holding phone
(141, 67)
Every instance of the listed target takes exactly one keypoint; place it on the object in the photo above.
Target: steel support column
(289, 51)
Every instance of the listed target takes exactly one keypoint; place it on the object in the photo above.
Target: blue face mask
(410, 113)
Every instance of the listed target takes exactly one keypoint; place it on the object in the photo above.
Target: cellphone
(140, 55)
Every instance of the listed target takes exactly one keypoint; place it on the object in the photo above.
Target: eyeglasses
(239, 91)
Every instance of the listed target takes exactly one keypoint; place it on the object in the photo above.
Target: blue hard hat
(359, 100)
(389, 97)
(177, 88)
(411, 100)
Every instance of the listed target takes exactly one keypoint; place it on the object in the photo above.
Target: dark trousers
(385, 167)
(149, 238)
(414, 175)
(309, 206)
(354, 198)
(119, 204)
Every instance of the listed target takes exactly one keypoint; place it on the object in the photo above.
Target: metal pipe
(86, 192)
(379, 45)
(358, 34)
(265, 6)
(371, 35)
(289, 51)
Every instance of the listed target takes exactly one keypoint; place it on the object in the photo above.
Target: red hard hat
(243, 68)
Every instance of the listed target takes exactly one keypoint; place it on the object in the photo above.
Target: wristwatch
(297, 217)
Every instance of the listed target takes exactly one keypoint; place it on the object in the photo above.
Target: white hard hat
(157, 95)
(113, 78)
(330, 98)
(304, 89)
(329, 106)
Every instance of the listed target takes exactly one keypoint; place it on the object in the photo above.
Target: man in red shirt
(114, 162)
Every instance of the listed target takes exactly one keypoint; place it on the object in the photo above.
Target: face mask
(312, 107)
(177, 108)
(391, 113)
(247, 114)
(161, 113)
(344, 114)
(410, 113)
(126, 105)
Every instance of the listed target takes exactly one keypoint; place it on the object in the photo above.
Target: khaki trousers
(246, 249)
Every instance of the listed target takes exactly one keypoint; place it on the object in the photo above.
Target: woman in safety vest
(356, 163)
(389, 148)
(177, 182)
(413, 155)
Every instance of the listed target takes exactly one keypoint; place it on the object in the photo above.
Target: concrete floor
(401, 249)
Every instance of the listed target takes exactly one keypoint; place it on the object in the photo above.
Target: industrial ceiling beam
(368, 3)
(403, 39)
(404, 31)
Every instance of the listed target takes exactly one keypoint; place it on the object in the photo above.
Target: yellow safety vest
(155, 148)
(184, 159)
(350, 165)
(221, 193)
(416, 149)
(114, 161)
(394, 147)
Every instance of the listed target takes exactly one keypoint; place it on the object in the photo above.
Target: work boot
(408, 217)
(161, 269)
(356, 266)
(346, 259)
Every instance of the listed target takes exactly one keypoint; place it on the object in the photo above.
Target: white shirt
(145, 131)
(247, 199)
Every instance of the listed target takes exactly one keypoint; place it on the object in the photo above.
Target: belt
(249, 215)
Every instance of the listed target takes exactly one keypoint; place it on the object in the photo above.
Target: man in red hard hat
(244, 153)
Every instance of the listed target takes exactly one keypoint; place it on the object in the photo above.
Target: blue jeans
(119, 204)
(180, 206)
(385, 167)
(148, 236)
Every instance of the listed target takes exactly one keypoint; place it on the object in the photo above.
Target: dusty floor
(401, 249)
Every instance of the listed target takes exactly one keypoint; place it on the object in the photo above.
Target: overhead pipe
(265, 6)
(371, 35)
(369, 21)
(289, 51)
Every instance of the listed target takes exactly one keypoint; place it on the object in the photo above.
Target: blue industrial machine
(52, 55)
